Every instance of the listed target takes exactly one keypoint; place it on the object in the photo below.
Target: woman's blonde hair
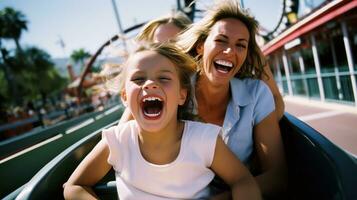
(177, 18)
(198, 32)
(184, 64)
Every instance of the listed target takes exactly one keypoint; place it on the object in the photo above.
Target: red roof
(315, 19)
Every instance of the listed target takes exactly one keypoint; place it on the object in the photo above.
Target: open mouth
(223, 66)
(152, 106)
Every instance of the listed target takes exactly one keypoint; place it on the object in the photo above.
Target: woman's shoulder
(250, 84)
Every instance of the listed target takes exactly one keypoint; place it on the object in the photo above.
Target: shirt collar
(240, 94)
(239, 91)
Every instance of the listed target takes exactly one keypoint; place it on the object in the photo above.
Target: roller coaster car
(317, 169)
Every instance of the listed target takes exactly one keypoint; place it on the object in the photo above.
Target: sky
(89, 23)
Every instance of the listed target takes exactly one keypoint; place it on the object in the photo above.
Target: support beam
(349, 59)
(318, 68)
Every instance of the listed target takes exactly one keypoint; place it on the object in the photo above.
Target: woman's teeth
(223, 66)
(224, 63)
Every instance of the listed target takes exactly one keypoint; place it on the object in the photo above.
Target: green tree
(78, 56)
(38, 77)
(12, 24)
(35, 77)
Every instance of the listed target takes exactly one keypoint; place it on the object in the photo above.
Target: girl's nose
(149, 84)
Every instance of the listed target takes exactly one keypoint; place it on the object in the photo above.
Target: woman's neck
(211, 95)
(212, 101)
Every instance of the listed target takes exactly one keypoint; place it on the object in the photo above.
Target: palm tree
(79, 56)
(12, 23)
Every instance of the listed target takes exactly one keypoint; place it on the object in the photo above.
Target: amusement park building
(316, 57)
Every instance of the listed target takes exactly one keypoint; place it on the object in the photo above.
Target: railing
(18, 169)
(317, 168)
(15, 144)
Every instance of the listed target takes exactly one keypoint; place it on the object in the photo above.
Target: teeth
(224, 63)
(153, 114)
(151, 99)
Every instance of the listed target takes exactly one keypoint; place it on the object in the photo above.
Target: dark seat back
(317, 169)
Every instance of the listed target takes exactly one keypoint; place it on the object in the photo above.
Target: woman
(167, 27)
(229, 93)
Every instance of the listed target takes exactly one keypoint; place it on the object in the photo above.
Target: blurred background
(56, 54)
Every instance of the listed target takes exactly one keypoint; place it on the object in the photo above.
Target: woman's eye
(241, 46)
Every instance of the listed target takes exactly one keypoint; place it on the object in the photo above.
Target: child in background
(164, 28)
(160, 154)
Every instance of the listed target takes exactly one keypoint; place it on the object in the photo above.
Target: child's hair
(198, 33)
(184, 64)
(177, 18)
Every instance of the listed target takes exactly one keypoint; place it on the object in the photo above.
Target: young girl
(159, 155)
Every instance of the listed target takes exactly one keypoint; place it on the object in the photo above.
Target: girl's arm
(278, 99)
(93, 167)
(234, 173)
(271, 158)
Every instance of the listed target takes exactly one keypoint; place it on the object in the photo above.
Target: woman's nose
(228, 50)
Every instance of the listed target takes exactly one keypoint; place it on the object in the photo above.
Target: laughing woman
(230, 92)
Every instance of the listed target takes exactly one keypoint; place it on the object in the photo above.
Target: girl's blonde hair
(177, 18)
(184, 64)
(198, 32)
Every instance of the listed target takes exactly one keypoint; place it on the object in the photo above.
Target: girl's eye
(164, 79)
(138, 80)
(219, 40)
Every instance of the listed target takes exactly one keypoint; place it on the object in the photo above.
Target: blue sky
(89, 23)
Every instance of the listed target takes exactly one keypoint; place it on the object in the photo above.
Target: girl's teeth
(151, 99)
(152, 114)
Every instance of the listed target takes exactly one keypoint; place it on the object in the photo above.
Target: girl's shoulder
(201, 139)
(199, 129)
(119, 131)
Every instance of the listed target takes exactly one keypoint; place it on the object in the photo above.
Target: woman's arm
(270, 152)
(93, 167)
(278, 99)
(234, 173)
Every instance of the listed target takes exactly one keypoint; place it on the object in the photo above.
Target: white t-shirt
(187, 177)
